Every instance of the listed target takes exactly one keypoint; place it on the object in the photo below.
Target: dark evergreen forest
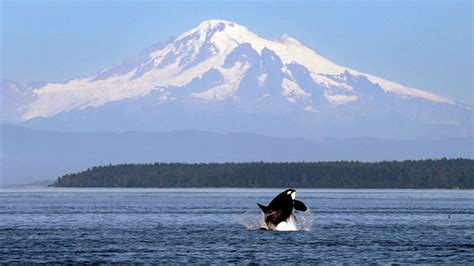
(442, 173)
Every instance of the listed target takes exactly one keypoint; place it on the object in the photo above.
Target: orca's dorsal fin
(263, 208)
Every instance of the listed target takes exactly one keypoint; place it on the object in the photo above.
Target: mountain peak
(216, 22)
(208, 28)
(220, 62)
(212, 26)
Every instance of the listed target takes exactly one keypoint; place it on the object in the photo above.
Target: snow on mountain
(221, 64)
(15, 96)
(193, 54)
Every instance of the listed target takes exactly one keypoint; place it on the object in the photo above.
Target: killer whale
(280, 210)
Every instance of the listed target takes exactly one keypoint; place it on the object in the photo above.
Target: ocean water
(221, 226)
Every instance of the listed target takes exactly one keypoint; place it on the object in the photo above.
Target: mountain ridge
(221, 63)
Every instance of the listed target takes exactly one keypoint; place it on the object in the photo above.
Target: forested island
(442, 173)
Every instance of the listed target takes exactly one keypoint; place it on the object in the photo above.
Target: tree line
(439, 173)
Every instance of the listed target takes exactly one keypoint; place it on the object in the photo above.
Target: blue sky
(426, 45)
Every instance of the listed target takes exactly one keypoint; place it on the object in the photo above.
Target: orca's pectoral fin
(298, 205)
(263, 208)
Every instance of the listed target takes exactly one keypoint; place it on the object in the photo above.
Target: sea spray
(305, 220)
(253, 220)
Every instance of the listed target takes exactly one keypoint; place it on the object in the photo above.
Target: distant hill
(444, 173)
(28, 155)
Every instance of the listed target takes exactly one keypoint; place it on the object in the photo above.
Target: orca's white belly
(288, 225)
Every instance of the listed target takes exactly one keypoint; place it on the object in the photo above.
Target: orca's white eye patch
(289, 192)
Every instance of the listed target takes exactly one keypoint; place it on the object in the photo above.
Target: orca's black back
(279, 209)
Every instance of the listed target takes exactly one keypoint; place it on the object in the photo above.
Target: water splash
(253, 220)
(305, 220)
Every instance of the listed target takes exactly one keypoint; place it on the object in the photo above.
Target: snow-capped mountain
(220, 76)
